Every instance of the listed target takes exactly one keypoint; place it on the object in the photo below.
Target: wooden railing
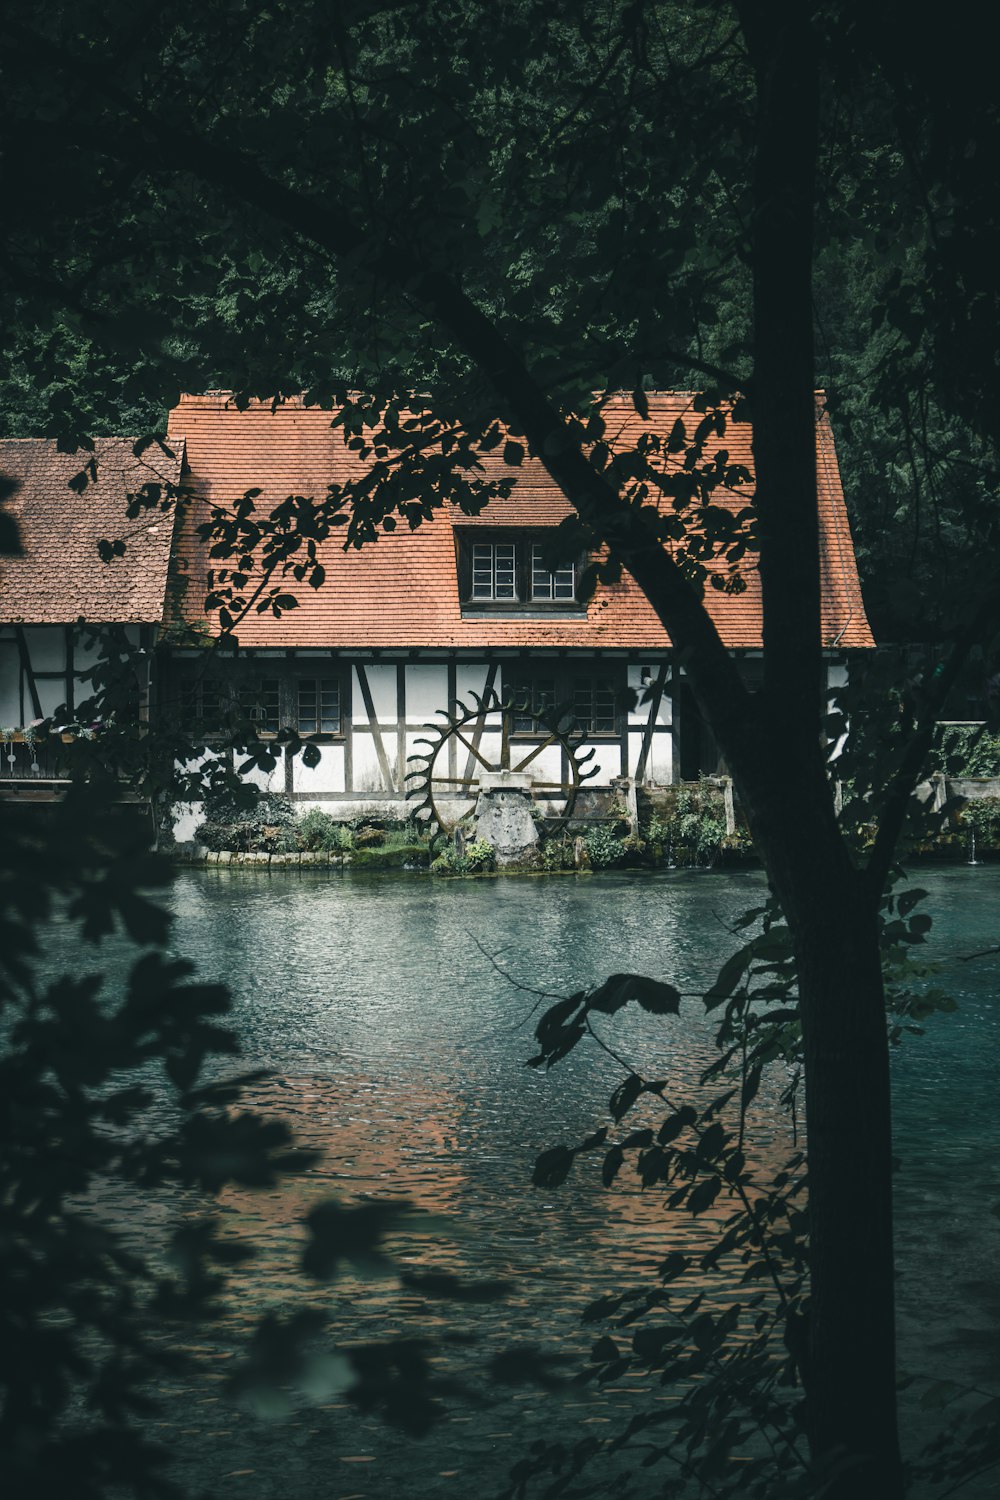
(27, 760)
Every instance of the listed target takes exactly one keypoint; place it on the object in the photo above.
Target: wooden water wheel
(478, 737)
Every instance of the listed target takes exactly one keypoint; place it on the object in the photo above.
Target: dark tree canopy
(507, 210)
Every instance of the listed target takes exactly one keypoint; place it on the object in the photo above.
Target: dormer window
(509, 571)
(557, 584)
(494, 570)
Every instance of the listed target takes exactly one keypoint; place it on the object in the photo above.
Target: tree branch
(143, 137)
(783, 52)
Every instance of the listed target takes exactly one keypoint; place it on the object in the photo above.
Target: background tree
(510, 213)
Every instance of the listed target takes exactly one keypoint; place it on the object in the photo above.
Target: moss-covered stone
(390, 858)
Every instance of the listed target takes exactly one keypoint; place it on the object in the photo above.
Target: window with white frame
(260, 702)
(586, 699)
(319, 709)
(313, 701)
(512, 571)
(494, 570)
(555, 583)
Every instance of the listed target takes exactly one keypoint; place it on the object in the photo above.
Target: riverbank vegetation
(679, 827)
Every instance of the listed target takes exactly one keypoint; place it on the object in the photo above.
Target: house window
(260, 702)
(529, 700)
(494, 570)
(594, 706)
(587, 702)
(203, 700)
(559, 583)
(316, 703)
(509, 571)
(319, 709)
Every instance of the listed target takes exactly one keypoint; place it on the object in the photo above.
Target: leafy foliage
(724, 1331)
(604, 848)
(478, 859)
(512, 209)
(965, 750)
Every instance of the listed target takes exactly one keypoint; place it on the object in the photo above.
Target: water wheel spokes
(445, 798)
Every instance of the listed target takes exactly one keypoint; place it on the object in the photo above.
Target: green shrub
(982, 816)
(271, 809)
(477, 860)
(368, 836)
(479, 856)
(690, 823)
(604, 849)
(318, 832)
(556, 854)
(259, 823)
(965, 750)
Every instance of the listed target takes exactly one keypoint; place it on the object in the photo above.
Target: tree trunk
(849, 1364)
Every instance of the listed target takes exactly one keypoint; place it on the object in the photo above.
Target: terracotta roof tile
(402, 591)
(61, 576)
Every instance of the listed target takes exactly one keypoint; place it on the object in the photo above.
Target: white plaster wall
(46, 647)
(10, 702)
(836, 677)
(660, 765)
(268, 781)
(426, 692)
(200, 762)
(50, 696)
(85, 653)
(659, 762)
(366, 772)
(546, 766)
(470, 677)
(608, 760)
(187, 816)
(489, 747)
(382, 686)
(328, 776)
(640, 712)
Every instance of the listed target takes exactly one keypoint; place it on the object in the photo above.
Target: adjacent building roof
(403, 590)
(60, 575)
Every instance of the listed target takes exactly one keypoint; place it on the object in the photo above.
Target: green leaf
(612, 1165)
(908, 900)
(552, 1167)
(677, 440)
(625, 1096)
(619, 989)
(641, 403)
(730, 974)
(704, 1194)
(674, 1124)
(711, 1142)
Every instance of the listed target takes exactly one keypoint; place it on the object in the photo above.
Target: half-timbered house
(418, 623)
(60, 603)
(418, 626)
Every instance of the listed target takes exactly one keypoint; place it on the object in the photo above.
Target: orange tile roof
(402, 591)
(60, 575)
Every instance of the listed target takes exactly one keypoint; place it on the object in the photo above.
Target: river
(396, 1013)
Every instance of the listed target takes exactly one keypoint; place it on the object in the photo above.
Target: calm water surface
(397, 1014)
